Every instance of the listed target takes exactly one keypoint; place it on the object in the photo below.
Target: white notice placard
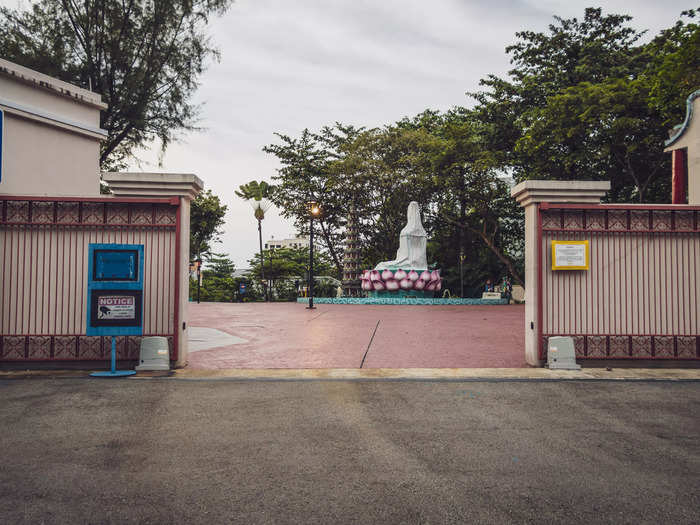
(116, 307)
(569, 255)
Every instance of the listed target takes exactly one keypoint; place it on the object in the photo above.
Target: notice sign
(116, 307)
(570, 255)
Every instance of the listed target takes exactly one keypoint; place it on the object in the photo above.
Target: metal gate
(640, 298)
(43, 282)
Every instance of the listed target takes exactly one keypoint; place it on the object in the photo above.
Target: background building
(301, 241)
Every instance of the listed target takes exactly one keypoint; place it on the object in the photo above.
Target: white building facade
(300, 241)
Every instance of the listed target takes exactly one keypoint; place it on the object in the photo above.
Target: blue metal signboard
(115, 265)
(115, 295)
(115, 289)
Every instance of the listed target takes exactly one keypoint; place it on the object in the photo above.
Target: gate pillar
(184, 187)
(529, 194)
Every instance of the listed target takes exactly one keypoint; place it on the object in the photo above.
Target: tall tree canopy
(437, 159)
(206, 219)
(674, 66)
(587, 100)
(306, 176)
(145, 58)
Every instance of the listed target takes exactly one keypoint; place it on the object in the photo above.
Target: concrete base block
(561, 354)
(155, 354)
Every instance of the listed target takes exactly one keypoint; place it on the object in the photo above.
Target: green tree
(619, 136)
(257, 193)
(145, 58)
(538, 128)
(472, 196)
(584, 100)
(220, 265)
(375, 173)
(305, 176)
(206, 219)
(218, 283)
(287, 267)
(674, 67)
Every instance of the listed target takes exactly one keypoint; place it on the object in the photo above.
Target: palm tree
(257, 194)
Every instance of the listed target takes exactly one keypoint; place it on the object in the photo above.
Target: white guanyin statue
(407, 275)
(412, 244)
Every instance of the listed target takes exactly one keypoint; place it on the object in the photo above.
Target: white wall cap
(564, 191)
(153, 184)
(58, 87)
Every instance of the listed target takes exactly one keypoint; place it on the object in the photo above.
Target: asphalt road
(207, 451)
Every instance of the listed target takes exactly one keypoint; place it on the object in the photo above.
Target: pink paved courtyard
(287, 335)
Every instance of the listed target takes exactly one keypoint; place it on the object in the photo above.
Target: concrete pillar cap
(185, 185)
(564, 191)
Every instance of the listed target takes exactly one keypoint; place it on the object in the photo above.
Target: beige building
(293, 242)
(51, 135)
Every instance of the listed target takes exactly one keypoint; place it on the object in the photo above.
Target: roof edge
(52, 84)
(686, 123)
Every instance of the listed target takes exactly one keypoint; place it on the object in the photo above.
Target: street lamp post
(198, 262)
(262, 262)
(314, 211)
(461, 272)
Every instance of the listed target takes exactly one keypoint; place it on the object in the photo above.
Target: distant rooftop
(241, 272)
(298, 241)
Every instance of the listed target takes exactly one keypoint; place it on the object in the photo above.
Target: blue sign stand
(115, 288)
(114, 372)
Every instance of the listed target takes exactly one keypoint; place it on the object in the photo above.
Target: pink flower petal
(392, 284)
(406, 283)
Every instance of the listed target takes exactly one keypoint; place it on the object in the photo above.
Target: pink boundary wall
(640, 298)
(43, 282)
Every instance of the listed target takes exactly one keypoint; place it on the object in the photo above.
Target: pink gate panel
(43, 281)
(640, 297)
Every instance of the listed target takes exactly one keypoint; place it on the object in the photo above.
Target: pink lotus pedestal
(401, 283)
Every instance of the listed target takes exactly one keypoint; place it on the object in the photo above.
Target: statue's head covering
(414, 226)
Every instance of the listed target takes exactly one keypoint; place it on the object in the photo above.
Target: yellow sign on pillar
(570, 255)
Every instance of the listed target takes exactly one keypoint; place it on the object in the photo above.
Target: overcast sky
(290, 64)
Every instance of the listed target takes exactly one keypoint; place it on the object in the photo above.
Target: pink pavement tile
(450, 337)
(287, 335)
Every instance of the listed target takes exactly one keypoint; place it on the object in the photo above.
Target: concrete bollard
(155, 354)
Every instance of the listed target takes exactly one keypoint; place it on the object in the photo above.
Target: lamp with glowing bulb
(314, 212)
